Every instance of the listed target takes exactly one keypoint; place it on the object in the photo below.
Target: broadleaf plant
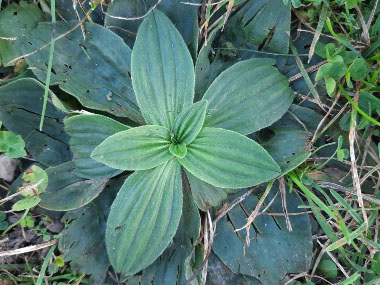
(205, 139)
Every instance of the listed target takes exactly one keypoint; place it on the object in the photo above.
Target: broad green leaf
(189, 122)
(16, 20)
(328, 268)
(20, 109)
(12, 144)
(135, 149)
(290, 131)
(248, 96)
(178, 150)
(172, 267)
(262, 25)
(334, 70)
(162, 71)
(108, 87)
(274, 251)
(295, 152)
(87, 132)
(34, 178)
(205, 195)
(26, 203)
(206, 70)
(359, 69)
(82, 243)
(66, 191)
(227, 159)
(218, 273)
(144, 217)
(330, 85)
(67, 12)
(182, 15)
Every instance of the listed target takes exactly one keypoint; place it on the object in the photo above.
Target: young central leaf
(189, 122)
(178, 150)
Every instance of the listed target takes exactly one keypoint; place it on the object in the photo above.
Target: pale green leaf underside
(189, 122)
(135, 149)
(144, 217)
(162, 71)
(229, 160)
(248, 96)
(87, 132)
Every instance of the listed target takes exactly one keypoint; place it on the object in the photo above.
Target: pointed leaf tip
(162, 71)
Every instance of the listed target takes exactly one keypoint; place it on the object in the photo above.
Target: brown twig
(254, 214)
(28, 248)
(282, 187)
(49, 43)
(324, 118)
(221, 215)
(354, 170)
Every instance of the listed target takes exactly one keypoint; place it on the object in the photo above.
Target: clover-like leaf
(228, 159)
(162, 71)
(135, 149)
(189, 122)
(87, 132)
(13, 145)
(144, 217)
(248, 96)
(26, 203)
(35, 179)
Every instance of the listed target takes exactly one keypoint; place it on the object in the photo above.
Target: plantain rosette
(205, 139)
(173, 140)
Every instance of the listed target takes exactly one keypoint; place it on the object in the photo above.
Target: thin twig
(320, 255)
(335, 261)
(324, 118)
(253, 215)
(355, 175)
(330, 185)
(221, 215)
(25, 189)
(282, 187)
(321, 22)
(49, 43)
(310, 69)
(28, 248)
